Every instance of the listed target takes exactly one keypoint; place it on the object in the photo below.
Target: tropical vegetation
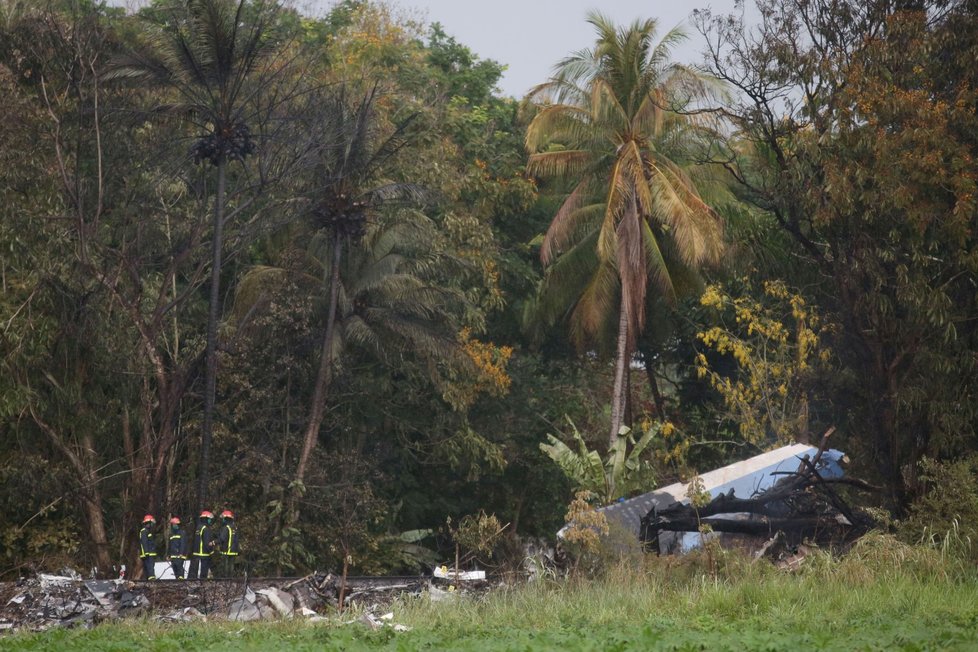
(320, 271)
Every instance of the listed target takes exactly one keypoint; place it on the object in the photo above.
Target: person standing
(200, 564)
(147, 547)
(177, 547)
(227, 543)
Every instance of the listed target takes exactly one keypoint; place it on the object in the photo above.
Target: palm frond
(596, 308)
(573, 220)
(564, 282)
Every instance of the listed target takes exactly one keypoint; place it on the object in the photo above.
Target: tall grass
(879, 579)
(883, 595)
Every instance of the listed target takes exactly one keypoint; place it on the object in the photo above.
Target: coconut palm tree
(214, 58)
(609, 123)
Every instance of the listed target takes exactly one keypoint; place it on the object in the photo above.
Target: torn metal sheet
(242, 610)
(743, 479)
(103, 591)
(281, 601)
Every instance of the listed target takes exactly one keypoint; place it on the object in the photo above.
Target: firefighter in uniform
(177, 547)
(147, 547)
(227, 543)
(200, 563)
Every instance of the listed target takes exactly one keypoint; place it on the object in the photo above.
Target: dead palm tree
(213, 58)
(608, 123)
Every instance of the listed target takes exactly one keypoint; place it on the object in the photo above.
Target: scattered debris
(281, 601)
(386, 620)
(65, 600)
(794, 503)
(185, 615)
(102, 591)
(438, 595)
(791, 490)
(240, 609)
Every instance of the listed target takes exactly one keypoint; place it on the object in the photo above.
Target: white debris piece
(370, 621)
(438, 595)
(50, 581)
(445, 573)
(280, 600)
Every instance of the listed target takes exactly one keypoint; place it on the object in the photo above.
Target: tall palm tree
(214, 56)
(608, 122)
(355, 144)
(383, 299)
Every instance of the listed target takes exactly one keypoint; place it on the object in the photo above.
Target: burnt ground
(49, 601)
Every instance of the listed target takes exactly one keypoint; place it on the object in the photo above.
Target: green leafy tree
(855, 131)
(215, 58)
(608, 124)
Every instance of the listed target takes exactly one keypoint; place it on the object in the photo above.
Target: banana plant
(620, 473)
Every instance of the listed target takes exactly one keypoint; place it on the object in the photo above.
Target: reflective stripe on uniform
(200, 543)
(177, 536)
(230, 541)
(142, 549)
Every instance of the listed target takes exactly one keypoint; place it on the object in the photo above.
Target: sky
(531, 36)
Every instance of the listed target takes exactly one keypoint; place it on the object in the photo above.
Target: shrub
(945, 515)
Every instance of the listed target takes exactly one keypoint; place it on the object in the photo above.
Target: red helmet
(175, 520)
(227, 513)
(149, 519)
(206, 514)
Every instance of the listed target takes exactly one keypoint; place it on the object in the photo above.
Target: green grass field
(882, 597)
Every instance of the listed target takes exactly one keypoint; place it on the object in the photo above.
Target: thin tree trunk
(621, 362)
(95, 517)
(210, 370)
(629, 410)
(83, 463)
(91, 498)
(318, 408)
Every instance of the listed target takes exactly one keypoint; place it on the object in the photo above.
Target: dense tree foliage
(855, 130)
(320, 240)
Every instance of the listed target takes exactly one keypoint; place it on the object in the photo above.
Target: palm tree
(355, 145)
(608, 123)
(214, 58)
(384, 301)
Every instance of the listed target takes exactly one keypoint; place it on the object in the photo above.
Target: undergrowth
(883, 595)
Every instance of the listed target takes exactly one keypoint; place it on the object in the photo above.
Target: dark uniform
(200, 564)
(147, 548)
(228, 545)
(177, 548)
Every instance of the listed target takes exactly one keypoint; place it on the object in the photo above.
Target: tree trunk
(318, 408)
(213, 313)
(91, 499)
(621, 363)
(654, 385)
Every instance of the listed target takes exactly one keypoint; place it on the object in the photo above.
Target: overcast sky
(530, 36)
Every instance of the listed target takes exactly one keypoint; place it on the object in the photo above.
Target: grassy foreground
(884, 596)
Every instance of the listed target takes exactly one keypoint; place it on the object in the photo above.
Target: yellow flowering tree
(777, 343)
